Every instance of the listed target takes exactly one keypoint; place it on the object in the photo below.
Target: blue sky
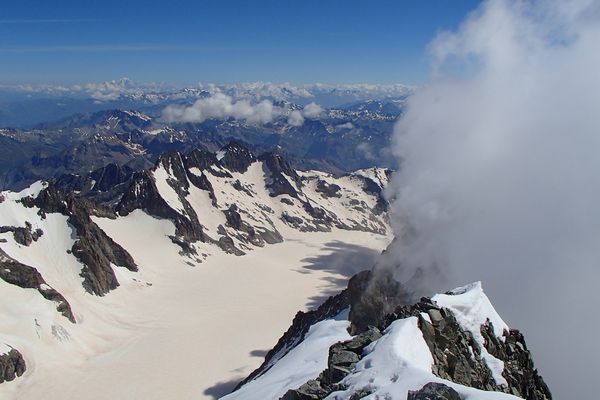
(226, 41)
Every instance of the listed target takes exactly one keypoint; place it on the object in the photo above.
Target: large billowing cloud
(222, 106)
(312, 110)
(500, 176)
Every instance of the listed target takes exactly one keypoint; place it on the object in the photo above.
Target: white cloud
(499, 175)
(222, 106)
(347, 125)
(312, 110)
(367, 150)
(296, 118)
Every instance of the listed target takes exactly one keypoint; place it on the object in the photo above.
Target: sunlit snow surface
(302, 363)
(177, 328)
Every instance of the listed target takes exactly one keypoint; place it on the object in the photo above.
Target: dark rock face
(372, 298)
(12, 365)
(257, 238)
(143, 194)
(451, 348)
(204, 160)
(197, 169)
(237, 157)
(16, 273)
(104, 185)
(94, 249)
(519, 370)
(110, 176)
(311, 390)
(23, 235)
(328, 190)
(275, 168)
(434, 391)
(371, 187)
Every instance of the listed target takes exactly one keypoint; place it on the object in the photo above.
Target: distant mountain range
(337, 140)
(24, 106)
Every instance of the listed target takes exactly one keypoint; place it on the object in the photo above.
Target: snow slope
(302, 363)
(186, 309)
(173, 330)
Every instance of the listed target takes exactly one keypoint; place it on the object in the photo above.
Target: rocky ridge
(457, 355)
(251, 195)
(12, 365)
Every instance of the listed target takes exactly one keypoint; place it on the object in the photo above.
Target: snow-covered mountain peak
(428, 350)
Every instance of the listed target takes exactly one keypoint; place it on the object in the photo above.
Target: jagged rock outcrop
(375, 189)
(328, 189)
(434, 391)
(144, 194)
(457, 355)
(23, 235)
(236, 157)
(519, 371)
(231, 199)
(16, 273)
(372, 298)
(170, 191)
(257, 238)
(280, 176)
(104, 185)
(12, 365)
(94, 249)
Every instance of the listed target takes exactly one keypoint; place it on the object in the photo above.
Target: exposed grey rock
(97, 183)
(373, 297)
(456, 355)
(204, 160)
(341, 357)
(292, 220)
(519, 370)
(434, 391)
(371, 187)
(237, 185)
(237, 157)
(94, 249)
(16, 273)
(280, 174)
(143, 194)
(362, 340)
(12, 365)
(23, 235)
(311, 390)
(328, 189)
